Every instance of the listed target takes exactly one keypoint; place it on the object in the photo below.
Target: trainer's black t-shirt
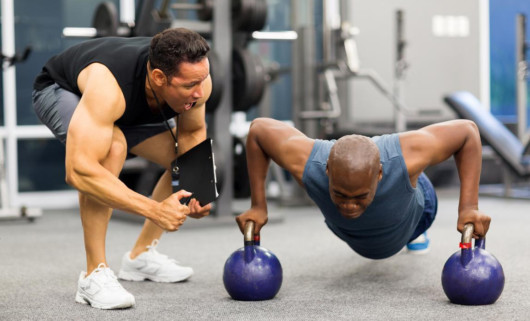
(126, 58)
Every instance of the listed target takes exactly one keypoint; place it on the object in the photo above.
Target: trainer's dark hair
(173, 46)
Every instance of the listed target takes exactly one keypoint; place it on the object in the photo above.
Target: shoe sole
(138, 277)
(80, 298)
(418, 252)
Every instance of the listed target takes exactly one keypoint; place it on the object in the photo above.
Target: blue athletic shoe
(420, 245)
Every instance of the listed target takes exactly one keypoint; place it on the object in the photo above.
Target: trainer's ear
(380, 172)
(158, 77)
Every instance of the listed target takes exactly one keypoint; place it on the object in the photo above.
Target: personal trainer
(109, 99)
(372, 191)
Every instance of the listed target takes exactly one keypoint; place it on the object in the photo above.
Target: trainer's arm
(436, 143)
(286, 146)
(90, 137)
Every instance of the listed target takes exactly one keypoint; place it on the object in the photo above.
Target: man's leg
(150, 230)
(144, 262)
(99, 286)
(158, 149)
(95, 216)
(420, 242)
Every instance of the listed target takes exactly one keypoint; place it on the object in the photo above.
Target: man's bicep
(89, 135)
(293, 152)
(431, 145)
(91, 127)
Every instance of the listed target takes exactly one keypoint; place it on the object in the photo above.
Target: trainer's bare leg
(158, 149)
(95, 216)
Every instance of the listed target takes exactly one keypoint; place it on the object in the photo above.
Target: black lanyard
(175, 171)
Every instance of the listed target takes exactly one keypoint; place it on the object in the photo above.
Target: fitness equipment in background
(204, 8)
(218, 79)
(472, 276)
(252, 273)
(6, 211)
(522, 76)
(105, 23)
(400, 66)
(249, 80)
(239, 163)
(247, 16)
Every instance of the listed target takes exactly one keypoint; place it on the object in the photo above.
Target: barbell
(105, 23)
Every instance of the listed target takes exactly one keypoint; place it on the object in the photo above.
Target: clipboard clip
(175, 176)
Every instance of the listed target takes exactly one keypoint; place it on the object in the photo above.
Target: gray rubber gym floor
(323, 278)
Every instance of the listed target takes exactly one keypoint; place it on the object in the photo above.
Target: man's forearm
(258, 166)
(109, 190)
(469, 164)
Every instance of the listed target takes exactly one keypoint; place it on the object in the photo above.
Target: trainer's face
(352, 192)
(184, 89)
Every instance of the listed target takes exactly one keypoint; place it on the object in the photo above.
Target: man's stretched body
(352, 179)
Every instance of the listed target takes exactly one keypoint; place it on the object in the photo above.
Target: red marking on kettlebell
(465, 245)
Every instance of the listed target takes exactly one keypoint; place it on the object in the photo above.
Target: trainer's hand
(480, 221)
(255, 214)
(172, 214)
(198, 211)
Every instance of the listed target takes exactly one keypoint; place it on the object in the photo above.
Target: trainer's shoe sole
(80, 298)
(138, 277)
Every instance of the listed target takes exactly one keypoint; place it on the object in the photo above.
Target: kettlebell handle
(249, 231)
(467, 235)
(248, 234)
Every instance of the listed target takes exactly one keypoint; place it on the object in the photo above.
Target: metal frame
(521, 77)
(11, 203)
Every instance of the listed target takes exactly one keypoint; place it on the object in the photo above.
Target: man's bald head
(354, 153)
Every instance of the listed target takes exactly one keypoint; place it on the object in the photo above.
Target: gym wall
(446, 50)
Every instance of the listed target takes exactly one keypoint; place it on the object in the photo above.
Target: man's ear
(158, 76)
(327, 170)
(380, 172)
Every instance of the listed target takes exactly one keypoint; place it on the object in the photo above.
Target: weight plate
(206, 12)
(105, 20)
(249, 15)
(217, 76)
(248, 79)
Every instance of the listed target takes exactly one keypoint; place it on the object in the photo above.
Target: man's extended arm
(436, 143)
(285, 145)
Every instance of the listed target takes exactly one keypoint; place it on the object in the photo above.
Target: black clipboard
(194, 171)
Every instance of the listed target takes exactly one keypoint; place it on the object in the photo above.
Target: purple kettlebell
(252, 273)
(472, 276)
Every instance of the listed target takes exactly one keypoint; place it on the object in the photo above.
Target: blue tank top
(389, 221)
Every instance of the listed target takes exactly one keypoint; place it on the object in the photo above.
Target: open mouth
(188, 106)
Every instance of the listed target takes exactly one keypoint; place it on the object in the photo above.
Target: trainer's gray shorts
(55, 106)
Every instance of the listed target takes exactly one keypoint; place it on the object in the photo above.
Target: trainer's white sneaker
(102, 290)
(153, 266)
